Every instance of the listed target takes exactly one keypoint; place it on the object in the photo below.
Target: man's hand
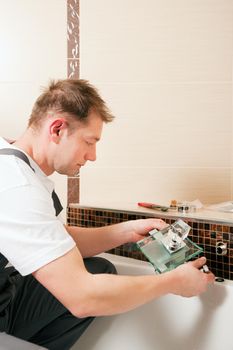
(141, 227)
(190, 280)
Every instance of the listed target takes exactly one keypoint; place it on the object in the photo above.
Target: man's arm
(92, 241)
(85, 294)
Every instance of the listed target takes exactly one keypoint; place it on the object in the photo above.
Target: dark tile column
(73, 57)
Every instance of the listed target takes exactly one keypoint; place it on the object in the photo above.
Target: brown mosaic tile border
(73, 39)
(206, 234)
(73, 65)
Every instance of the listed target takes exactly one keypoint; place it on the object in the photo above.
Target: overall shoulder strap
(11, 151)
(17, 153)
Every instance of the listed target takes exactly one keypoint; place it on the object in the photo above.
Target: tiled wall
(168, 64)
(33, 51)
(187, 93)
(165, 70)
(206, 234)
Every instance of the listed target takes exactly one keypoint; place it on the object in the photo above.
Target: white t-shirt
(30, 233)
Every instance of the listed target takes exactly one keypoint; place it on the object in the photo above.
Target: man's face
(76, 148)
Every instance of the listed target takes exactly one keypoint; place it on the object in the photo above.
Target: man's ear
(55, 128)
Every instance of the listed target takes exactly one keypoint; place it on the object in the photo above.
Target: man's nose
(91, 155)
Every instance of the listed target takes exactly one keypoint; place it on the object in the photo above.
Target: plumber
(51, 285)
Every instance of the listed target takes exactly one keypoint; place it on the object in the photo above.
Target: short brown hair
(76, 98)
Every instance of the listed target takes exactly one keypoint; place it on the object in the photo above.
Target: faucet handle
(180, 228)
(174, 238)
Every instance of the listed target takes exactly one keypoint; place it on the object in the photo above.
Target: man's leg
(36, 316)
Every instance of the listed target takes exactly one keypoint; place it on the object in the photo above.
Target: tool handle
(148, 205)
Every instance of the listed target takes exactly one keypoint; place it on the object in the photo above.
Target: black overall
(28, 310)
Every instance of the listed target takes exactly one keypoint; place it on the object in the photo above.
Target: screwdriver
(153, 206)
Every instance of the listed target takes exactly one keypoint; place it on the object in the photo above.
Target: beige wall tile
(148, 147)
(33, 40)
(14, 115)
(159, 40)
(206, 104)
(168, 125)
(231, 184)
(131, 185)
(165, 67)
(33, 50)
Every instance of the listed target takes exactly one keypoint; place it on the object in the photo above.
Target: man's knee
(99, 265)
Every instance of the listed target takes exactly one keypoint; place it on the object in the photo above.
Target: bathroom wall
(165, 69)
(33, 42)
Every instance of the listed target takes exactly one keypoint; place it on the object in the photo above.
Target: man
(53, 289)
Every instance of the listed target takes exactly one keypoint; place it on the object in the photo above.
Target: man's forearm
(91, 241)
(85, 294)
(110, 294)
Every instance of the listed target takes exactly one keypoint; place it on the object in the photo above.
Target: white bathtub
(168, 323)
